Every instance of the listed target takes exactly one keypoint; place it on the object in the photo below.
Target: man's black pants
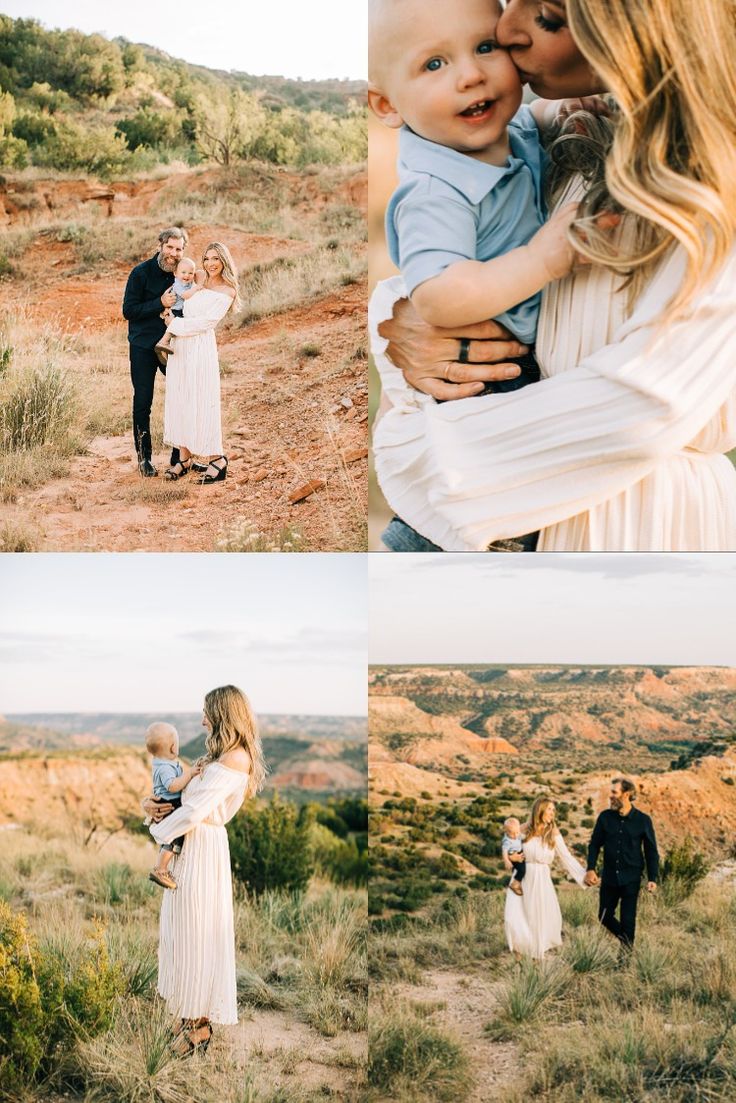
(143, 368)
(610, 897)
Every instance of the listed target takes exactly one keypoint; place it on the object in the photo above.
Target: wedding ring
(464, 350)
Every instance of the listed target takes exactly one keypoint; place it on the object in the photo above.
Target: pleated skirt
(196, 958)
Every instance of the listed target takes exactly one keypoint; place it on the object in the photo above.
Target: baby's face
(185, 272)
(444, 73)
(513, 829)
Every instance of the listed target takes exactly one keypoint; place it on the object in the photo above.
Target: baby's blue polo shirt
(450, 207)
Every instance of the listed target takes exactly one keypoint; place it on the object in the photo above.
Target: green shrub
(341, 860)
(270, 846)
(681, 870)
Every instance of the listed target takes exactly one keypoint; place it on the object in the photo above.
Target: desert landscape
(91, 172)
(78, 918)
(453, 751)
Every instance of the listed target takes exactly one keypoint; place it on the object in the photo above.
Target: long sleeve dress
(533, 922)
(196, 953)
(192, 404)
(620, 447)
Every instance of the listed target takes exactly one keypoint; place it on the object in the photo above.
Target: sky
(137, 633)
(317, 40)
(633, 609)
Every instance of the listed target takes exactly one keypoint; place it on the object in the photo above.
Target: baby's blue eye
(434, 64)
(487, 47)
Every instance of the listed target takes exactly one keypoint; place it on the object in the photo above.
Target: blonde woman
(196, 955)
(192, 421)
(621, 446)
(533, 922)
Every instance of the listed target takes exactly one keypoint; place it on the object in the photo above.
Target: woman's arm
(505, 464)
(571, 866)
(217, 308)
(210, 793)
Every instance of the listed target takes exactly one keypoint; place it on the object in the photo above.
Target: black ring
(464, 350)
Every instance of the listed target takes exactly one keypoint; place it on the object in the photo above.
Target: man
(147, 293)
(627, 839)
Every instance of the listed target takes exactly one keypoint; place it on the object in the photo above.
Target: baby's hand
(596, 105)
(196, 770)
(550, 245)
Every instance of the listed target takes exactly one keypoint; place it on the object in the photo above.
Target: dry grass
(299, 957)
(298, 280)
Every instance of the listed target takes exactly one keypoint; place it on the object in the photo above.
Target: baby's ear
(383, 109)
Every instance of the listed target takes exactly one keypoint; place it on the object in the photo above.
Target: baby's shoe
(516, 887)
(163, 878)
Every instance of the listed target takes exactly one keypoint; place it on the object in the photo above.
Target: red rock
(260, 475)
(304, 491)
(355, 454)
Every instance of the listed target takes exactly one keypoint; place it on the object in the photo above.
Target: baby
(185, 285)
(466, 225)
(512, 849)
(169, 778)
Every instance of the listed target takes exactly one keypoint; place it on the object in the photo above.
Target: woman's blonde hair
(671, 67)
(233, 725)
(548, 832)
(229, 271)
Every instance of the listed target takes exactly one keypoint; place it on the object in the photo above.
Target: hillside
(71, 102)
(436, 818)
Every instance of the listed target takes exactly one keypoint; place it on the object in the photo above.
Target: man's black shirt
(142, 302)
(627, 842)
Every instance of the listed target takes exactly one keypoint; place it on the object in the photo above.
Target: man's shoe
(147, 469)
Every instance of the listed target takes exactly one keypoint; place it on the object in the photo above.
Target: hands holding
(591, 878)
(651, 886)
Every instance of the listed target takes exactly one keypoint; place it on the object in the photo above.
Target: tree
(224, 129)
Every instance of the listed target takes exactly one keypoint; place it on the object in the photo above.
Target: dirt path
(290, 1052)
(468, 1001)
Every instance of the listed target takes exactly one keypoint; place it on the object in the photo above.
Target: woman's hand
(167, 316)
(428, 356)
(155, 809)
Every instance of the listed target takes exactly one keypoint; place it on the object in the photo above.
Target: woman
(622, 446)
(197, 944)
(533, 921)
(192, 405)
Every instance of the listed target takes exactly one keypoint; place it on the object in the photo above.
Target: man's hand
(651, 886)
(428, 355)
(168, 298)
(155, 809)
(591, 878)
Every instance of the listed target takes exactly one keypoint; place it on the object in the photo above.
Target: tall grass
(38, 409)
(412, 1059)
(298, 280)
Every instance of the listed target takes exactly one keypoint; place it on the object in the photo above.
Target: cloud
(308, 645)
(42, 647)
(623, 566)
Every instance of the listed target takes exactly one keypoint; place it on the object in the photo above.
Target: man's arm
(651, 854)
(597, 840)
(135, 306)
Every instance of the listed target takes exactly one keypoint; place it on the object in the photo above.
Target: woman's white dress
(196, 953)
(192, 403)
(533, 921)
(619, 448)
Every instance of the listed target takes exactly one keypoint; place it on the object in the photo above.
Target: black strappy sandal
(220, 472)
(173, 474)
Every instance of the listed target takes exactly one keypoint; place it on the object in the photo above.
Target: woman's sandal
(178, 470)
(219, 472)
(187, 1028)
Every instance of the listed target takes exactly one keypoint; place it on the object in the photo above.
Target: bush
(270, 846)
(681, 870)
(38, 409)
(21, 1013)
(341, 860)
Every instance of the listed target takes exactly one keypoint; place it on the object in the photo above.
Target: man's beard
(616, 803)
(167, 264)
